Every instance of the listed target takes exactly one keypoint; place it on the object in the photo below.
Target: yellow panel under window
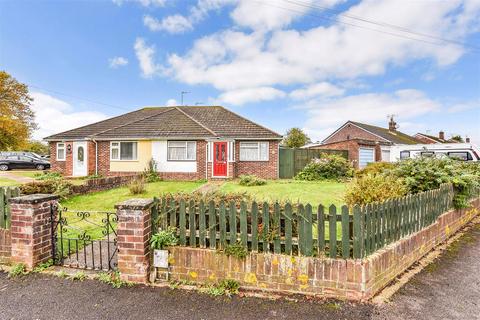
(144, 153)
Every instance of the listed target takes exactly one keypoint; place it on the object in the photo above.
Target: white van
(461, 151)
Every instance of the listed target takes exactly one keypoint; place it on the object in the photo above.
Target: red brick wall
(262, 169)
(358, 279)
(351, 131)
(91, 157)
(103, 157)
(423, 139)
(64, 167)
(5, 245)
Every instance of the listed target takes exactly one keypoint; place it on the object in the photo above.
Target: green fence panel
(182, 222)
(277, 229)
(345, 232)
(300, 218)
(212, 225)
(265, 227)
(286, 163)
(321, 230)
(243, 225)
(223, 224)
(191, 224)
(254, 227)
(288, 228)
(332, 231)
(232, 222)
(202, 227)
(308, 230)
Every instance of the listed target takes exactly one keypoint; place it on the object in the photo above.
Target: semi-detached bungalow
(186, 143)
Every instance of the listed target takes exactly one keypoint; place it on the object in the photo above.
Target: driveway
(15, 177)
(447, 289)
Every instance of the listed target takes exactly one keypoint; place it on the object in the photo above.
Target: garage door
(366, 155)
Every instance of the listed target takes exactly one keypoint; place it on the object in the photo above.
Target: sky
(312, 64)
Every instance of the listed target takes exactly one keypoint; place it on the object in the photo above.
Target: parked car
(23, 162)
(459, 151)
(4, 154)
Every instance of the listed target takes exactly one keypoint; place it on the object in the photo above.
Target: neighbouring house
(428, 139)
(365, 143)
(186, 143)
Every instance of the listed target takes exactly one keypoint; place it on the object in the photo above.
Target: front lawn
(105, 200)
(313, 192)
(5, 182)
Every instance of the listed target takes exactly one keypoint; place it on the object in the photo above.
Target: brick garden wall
(5, 245)
(351, 279)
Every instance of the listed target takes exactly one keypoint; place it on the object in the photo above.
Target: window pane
(128, 150)
(180, 144)
(61, 154)
(177, 153)
(249, 151)
(115, 153)
(264, 151)
(191, 150)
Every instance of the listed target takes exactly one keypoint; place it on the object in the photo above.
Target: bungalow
(365, 143)
(429, 139)
(186, 143)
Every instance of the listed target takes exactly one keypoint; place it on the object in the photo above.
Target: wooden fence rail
(5, 194)
(301, 229)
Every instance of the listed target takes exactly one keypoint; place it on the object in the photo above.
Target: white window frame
(64, 151)
(242, 143)
(120, 151)
(186, 142)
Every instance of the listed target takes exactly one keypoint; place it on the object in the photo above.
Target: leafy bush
(150, 173)
(164, 238)
(235, 250)
(329, 166)
(374, 168)
(137, 186)
(216, 196)
(251, 180)
(56, 186)
(374, 188)
(18, 270)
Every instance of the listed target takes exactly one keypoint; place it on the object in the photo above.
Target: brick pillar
(31, 229)
(133, 235)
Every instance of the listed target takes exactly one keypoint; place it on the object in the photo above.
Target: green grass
(105, 200)
(5, 182)
(313, 192)
(26, 173)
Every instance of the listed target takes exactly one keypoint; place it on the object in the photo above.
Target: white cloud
(145, 3)
(145, 55)
(242, 96)
(172, 24)
(323, 89)
(178, 23)
(326, 116)
(54, 115)
(171, 103)
(232, 59)
(116, 62)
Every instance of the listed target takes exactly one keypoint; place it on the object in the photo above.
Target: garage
(365, 156)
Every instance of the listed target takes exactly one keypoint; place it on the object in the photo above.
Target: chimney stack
(392, 125)
(467, 140)
(441, 135)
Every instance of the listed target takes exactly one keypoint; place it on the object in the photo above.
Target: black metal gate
(84, 239)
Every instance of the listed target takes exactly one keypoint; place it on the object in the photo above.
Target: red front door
(220, 159)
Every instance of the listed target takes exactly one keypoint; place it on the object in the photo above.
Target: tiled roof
(396, 137)
(184, 121)
(436, 139)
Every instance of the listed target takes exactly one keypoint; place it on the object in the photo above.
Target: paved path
(447, 289)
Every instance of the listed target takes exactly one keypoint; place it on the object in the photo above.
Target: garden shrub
(216, 196)
(164, 238)
(375, 168)
(150, 173)
(329, 166)
(374, 188)
(59, 187)
(48, 175)
(251, 180)
(137, 186)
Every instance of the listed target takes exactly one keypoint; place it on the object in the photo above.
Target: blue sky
(307, 63)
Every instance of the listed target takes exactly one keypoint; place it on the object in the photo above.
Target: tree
(38, 147)
(295, 138)
(16, 116)
(457, 138)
